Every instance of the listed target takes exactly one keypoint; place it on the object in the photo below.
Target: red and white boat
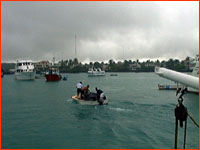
(53, 75)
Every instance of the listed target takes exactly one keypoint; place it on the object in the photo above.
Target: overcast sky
(104, 30)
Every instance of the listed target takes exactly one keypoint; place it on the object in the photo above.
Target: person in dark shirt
(98, 93)
(100, 96)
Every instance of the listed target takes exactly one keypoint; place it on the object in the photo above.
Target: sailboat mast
(75, 47)
(123, 52)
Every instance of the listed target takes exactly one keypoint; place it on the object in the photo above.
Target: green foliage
(5, 67)
(74, 66)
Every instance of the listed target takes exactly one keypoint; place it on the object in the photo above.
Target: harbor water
(41, 115)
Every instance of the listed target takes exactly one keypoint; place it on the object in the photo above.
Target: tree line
(74, 66)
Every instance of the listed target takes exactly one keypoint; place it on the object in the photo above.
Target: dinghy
(88, 102)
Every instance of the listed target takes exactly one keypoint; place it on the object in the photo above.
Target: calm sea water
(39, 114)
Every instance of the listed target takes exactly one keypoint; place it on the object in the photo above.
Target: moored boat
(65, 78)
(169, 87)
(113, 74)
(53, 75)
(93, 72)
(24, 70)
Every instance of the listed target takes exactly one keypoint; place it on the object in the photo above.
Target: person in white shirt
(79, 87)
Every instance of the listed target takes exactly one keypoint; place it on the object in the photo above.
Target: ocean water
(41, 115)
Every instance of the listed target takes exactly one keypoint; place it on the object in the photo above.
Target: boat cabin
(24, 66)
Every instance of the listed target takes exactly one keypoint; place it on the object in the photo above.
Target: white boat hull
(25, 75)
(95, 75)
(84, 102)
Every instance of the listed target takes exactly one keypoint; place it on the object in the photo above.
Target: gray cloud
(143, 30)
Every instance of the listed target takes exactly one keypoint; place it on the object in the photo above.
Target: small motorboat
(88, 102)
(113, 74)
(64, 78)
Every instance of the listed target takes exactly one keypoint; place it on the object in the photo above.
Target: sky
(104, 30)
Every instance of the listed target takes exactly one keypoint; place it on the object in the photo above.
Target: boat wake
(69, 101)
(120, 109)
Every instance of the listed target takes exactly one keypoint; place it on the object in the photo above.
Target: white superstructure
(24, 70)
(92, 72)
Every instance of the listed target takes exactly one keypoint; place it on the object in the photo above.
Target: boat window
(20, 64)
(28, 63)
(19, 70)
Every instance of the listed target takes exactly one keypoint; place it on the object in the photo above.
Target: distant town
(74, 66)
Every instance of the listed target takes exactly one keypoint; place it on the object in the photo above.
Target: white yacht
(93, 72)
(24, 70)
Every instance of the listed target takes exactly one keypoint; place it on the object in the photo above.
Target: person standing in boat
(98, 92)
(79, 87)
(100, 96)
(85, 92)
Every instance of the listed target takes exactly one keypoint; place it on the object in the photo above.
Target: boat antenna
(53, 61)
